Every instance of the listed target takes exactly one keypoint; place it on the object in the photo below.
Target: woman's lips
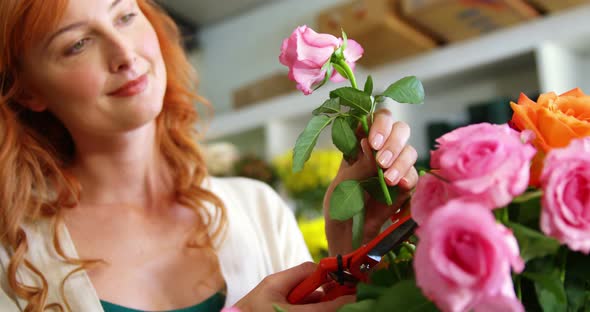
(132, 88)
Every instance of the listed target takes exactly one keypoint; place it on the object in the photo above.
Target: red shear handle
(309, 284)
(314, 281)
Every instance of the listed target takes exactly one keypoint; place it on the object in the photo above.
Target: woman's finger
(380, 129)
(327, 306)
(394, 144)
(410, 180)
(282, 282)
(401, 166)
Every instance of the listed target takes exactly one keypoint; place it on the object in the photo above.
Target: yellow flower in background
(318, 172)
(315, 237)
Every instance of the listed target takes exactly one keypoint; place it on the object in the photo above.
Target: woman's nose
(122, 56)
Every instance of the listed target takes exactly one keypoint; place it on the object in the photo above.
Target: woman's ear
(32, 102)
(26, 96)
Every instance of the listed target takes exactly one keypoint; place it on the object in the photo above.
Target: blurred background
(473, 57)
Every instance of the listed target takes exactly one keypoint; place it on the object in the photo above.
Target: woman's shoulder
(251, 196)
(240, 186)
(237, 181)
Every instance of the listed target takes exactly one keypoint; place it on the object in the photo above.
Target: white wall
(242, 49)
(246, 48)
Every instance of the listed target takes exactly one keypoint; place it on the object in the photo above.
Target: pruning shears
(342, 273)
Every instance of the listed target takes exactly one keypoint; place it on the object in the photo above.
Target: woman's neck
(126, 170)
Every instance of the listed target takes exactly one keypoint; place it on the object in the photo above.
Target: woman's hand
(396, 158)
(275, 288)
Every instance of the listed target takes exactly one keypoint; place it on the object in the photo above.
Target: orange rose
(555, 120)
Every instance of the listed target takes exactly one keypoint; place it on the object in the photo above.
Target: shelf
(491, 54)
(495, 47)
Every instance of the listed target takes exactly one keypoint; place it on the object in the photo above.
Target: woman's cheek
(77, 88)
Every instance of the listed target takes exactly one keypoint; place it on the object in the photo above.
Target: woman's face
(100, 72)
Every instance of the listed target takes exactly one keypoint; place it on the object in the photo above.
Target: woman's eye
(127, 18)
(77, 47)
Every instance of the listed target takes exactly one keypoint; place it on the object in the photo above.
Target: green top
(213, 303)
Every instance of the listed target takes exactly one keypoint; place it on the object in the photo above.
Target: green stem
(365, 124)
(392, 265)
(505, 216)
(562, 261)
(358, 222)
(382, 183)
(528, 196)
(501, 215)
(517, 286)
(349, 73)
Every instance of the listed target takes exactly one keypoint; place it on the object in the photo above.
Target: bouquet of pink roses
(490, 238)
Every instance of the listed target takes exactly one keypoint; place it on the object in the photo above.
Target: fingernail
(385, 157)
(377, 141)
(392, 175)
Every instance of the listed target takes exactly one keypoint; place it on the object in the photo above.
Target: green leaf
(372, 186)
(277, 308)
(347, 200)
(533, 244)
(577, 282)
(330, 106)
(405, 269)
(329, 70)
(307, 140)
(526, 213)
(344, 138)
(369, 86)
(383, 278)
(369, 291)
(352, 121)
(406, 90)
(361, 306)
(356, 114)
(353, 98)
(358, 223)
(550, 291)
(404, 296)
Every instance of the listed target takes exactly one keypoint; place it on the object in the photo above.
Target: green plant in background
(314, 236)
(254, 167)
(307, 187)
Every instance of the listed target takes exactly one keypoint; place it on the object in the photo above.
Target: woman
(106, 202)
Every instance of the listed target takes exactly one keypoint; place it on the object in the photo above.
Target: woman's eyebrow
(76, 25)
(64, 30)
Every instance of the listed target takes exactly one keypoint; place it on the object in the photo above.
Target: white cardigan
(262, 238)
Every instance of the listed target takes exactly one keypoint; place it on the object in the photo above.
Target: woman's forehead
(85, 9)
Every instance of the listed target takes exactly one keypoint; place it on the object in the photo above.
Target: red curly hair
(36, 149)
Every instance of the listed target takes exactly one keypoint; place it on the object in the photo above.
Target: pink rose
(431, 193)
(464, 258)
(305, 52)
(565, 181)
(488, 163)
(500, 303)
(230, 309)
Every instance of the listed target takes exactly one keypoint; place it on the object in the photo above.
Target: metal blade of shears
(401, 233)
